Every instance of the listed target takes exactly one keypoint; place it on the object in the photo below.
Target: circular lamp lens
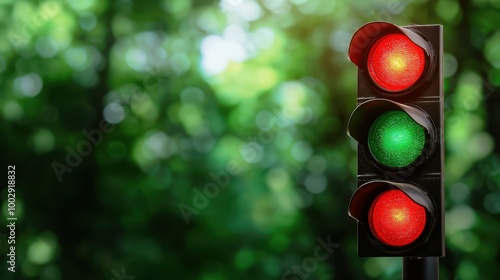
(395, 139)
(395, 219)
(395, 63)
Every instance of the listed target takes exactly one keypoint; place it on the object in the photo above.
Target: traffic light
(398, 125)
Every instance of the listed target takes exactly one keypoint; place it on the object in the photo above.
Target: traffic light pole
(421, 269)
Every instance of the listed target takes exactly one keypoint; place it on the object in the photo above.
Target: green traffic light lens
(395, 139)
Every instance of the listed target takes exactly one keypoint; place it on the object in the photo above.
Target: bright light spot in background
(192, 95)
(249, 11)
(293, 96)
(246, 10)
(469, 93)
(28, 85)
(283, 139)
(317, 164)
(302, 151)
(232, 3)
(42, 250)
(310, 7)
(448, 10)
(465, 241)
(145, 109)
(217, 52)
(77, 58)
(315, 183)
(179, 9)
(150, 44)
(459, 218)
(43, 141)
(192, 118)
(12, 111)
(114, 113)
(264, 37)
(281, 185)
(450, 65)
(277, 6)
(179, 63)
(235, 33)
(81, 5)
(298, 2)
(214, 59)
(155, 145)
(46, 47)
(145, 52)
(208, 21)
(87, 21)
(252, 152)
(481, 145)
(136, 59)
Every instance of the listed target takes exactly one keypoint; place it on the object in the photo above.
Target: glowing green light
(395, 139)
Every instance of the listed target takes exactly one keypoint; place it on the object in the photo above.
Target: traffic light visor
(396, 216)
(394, 59)
(393, 136)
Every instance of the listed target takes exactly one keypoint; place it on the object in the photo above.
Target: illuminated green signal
(395, 139)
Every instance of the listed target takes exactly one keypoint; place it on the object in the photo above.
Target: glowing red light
(395, 219)
(395, 63)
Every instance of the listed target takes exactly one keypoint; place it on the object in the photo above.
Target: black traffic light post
(426, 268)
(398, 124)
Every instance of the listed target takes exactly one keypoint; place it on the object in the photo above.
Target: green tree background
(194, 90)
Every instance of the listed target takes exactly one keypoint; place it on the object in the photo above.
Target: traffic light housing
(398, 125)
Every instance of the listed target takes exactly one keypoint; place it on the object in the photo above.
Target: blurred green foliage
(251, 95)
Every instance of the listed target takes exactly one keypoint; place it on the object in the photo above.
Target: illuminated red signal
(395, 219)
(395, 63)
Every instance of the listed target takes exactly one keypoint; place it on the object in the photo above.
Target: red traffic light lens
(395, 63)
(395, 219)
